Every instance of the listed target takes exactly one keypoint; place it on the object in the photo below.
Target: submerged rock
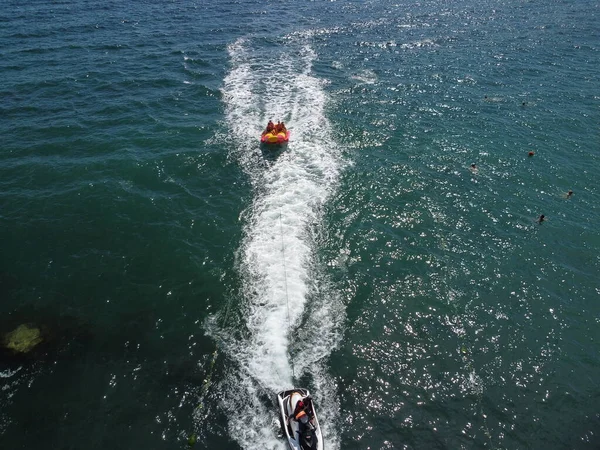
(23, 339)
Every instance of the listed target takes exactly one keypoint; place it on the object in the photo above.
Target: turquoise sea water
(182, 274)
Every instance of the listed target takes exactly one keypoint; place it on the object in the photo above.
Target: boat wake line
(290, 316)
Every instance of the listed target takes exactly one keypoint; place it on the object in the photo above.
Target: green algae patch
(23, 339)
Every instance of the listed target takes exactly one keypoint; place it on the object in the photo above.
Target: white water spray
(289, 191)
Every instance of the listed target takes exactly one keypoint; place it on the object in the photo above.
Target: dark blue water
(181, 274)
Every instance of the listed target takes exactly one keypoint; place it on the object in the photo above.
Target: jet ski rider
(302, 410)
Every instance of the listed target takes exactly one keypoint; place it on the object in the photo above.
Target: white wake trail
(277, 259)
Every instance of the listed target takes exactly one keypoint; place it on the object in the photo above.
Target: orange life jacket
(300, 415)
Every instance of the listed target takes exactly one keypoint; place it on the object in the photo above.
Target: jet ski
(299, 420)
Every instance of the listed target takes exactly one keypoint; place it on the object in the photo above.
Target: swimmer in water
(492, 99)
(474, 168)
(541, 218)
(569, 194)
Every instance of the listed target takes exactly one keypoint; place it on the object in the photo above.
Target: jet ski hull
(301, 434)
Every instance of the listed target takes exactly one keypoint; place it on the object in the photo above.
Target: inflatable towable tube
(272, 138)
